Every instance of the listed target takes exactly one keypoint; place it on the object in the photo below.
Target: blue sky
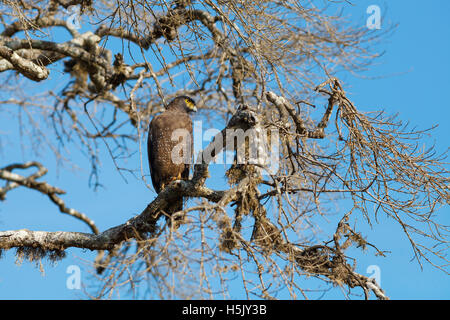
(412, 79)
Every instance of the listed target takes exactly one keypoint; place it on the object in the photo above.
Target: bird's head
(183, 103)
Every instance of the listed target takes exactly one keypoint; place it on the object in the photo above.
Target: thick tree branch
(83, 48)
(40, 22)
(26, 67)
(73, 48)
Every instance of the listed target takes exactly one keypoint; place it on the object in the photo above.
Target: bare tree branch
(16, 180)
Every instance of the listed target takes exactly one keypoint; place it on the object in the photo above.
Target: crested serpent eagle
(170, 146)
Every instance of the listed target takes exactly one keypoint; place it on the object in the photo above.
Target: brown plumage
(173, 124)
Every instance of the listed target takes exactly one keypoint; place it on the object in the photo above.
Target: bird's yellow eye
(189, 103)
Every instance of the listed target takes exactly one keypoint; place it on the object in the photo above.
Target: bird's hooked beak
(194, 109)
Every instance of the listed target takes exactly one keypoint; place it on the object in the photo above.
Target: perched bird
(170, 146)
